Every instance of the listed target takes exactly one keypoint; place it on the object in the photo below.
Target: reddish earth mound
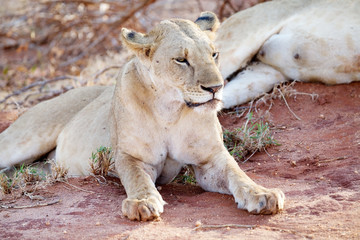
(317, 166)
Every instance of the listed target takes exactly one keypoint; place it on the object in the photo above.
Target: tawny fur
(161, 115)
(303, 40)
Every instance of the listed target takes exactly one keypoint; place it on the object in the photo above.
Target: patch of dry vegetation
(101, 162)
(28, 178)
(252, 137)
(255, 135)
(58, 172)
(282, 91)
(186, 176)
(42, 40)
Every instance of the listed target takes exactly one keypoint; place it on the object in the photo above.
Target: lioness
(304, 40)
(161, 115)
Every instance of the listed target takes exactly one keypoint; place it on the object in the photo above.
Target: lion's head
(179, 54)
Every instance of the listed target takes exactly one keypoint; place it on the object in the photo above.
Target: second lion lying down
(279, 40)
(161, 115)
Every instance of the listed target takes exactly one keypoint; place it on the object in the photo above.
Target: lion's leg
(84, 134)
(250, 84)
(143, 201)
(170, 170)
(35, 132)
(225, 176)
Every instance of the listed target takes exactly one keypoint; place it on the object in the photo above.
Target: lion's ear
(138, 43)
(208, 21)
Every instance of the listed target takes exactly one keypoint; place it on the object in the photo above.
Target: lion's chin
(212, 104)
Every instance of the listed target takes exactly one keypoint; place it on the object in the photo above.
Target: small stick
(282, 95)
(247, 170)
(102, 37)
(332, 160)
(286, 231)
(269, 154)
(249, 157)
(38, 83)
(98, 178)
(30, 206)
(225, 226)
(32, 197)
(105, 70)
(71, 185)
(251, 227)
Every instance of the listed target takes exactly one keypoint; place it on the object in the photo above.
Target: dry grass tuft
(186, 176)
(252, 137)
(282, 91)
(101, 162)
(24, 178)
(58, 172)
(6, 184)
(28, 178)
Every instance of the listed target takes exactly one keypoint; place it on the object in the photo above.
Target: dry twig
(30, 206)
(223, 6)
(333, 159)
(102, 37)
(282, 95)
(201, 227)
(105, 70)
(76, 187)
(41, 83)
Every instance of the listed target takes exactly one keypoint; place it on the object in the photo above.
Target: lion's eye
(181, 61)
(215, 55)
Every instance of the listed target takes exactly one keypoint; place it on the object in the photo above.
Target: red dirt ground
(317, 166)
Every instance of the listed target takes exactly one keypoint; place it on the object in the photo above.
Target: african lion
(161, 115)
(303, 40)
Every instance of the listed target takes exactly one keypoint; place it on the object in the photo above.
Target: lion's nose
(212, 89)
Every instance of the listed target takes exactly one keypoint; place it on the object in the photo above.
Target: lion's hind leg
(84, 135)
(250, 84)
(34, 134)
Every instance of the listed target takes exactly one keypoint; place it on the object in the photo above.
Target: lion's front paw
(144, 209)
(263, 201)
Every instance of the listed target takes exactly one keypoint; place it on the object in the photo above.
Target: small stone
(198, 223)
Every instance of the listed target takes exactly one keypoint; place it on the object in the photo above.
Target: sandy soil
(317, 166)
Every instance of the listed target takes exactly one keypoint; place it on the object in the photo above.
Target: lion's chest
(150, 149)
(196, 143)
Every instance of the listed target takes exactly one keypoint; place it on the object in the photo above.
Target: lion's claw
(142, 210)
(262, 201)
(269, 201)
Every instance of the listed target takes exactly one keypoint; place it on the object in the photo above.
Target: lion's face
(179, 54)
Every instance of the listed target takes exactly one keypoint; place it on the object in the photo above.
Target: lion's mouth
(192, 104)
